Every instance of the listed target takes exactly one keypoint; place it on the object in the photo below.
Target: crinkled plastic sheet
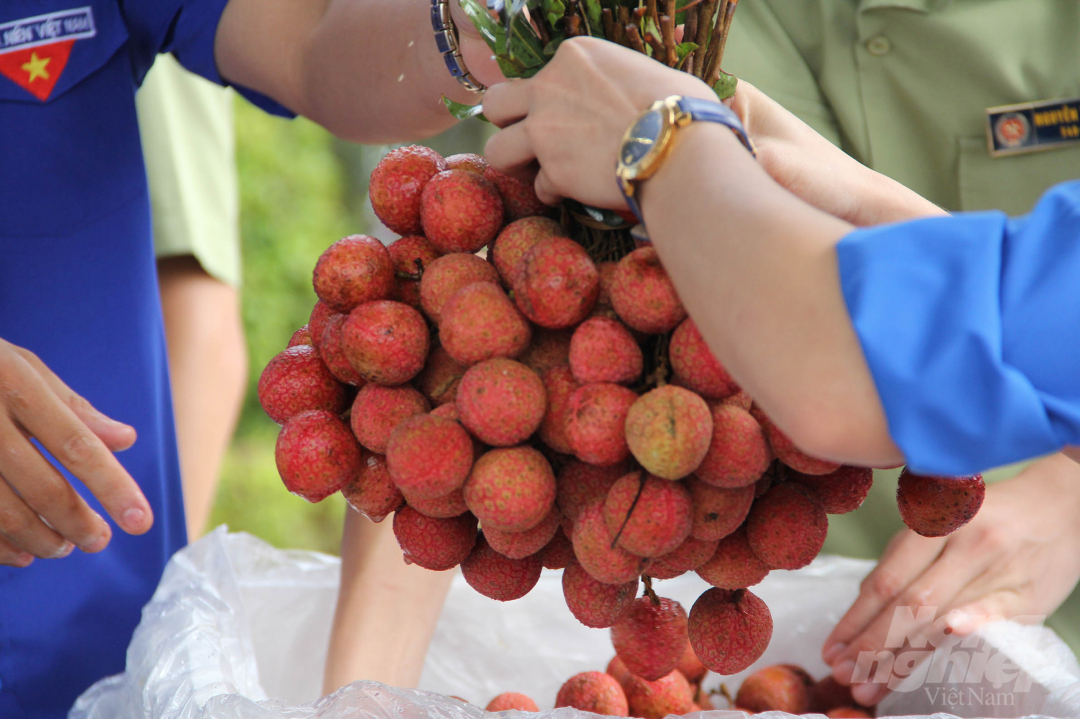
(239, 630)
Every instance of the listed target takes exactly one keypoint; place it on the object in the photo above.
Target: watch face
(642, 137)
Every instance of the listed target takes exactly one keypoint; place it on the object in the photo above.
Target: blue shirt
(971, 328)
(78, 287)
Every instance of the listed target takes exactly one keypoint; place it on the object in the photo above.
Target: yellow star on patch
(36, 67)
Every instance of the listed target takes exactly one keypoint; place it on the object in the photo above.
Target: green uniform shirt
(903, 86)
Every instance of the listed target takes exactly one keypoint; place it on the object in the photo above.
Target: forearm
(386, 611)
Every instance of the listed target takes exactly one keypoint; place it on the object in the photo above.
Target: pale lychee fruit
(594, 603)
(786, 451)
(377, 410)
(352, 271)
(297, 380)
(316, 455)
(397, 184)
(548, 348)
(690, 666)
(738, 452)
(448, 505)
(516, 239)
(580, 483)
(650, 636)
(372, 493)
(499, 577)
(439, 379)
(786, 527)
(689, 555)
(333, 354)
(480, 322)
(618, 671)
(469, 162)
(717, 511)
(597, 421)
(780, 688)
(603, 350)
(460, 211)
(511, 700)
(519, 198)
(596, 550)
(669, 430)
(559, 552)
(320, 313)
(559, 385)
(647, 515)
(557, 283)
(593, 692)
(729, 630)
(386, 342)
(838, 492)
(448, 274)
(696, 365)
(733, 565)
(411, 257)
(643, 295)
(518, 545)
(433, 543)
(671, 694)
(512, 489)
(301, 337)
(937, 506)
(501, 401)
(412, 446)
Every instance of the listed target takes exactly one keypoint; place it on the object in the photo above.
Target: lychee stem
(648, 592)
(723, 691)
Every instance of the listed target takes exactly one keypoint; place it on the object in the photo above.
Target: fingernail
(99, 543)
(64, 550)
(24, 558)
(843, 671)
(866, 694)
(134, 517)
(832, 652)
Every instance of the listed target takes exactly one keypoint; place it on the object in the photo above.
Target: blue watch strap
(710, 111)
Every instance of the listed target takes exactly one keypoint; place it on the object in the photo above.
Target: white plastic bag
(239, 630)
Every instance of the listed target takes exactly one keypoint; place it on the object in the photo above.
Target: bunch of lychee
(538, 408)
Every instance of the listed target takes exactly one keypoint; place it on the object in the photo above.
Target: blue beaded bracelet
(447, 41)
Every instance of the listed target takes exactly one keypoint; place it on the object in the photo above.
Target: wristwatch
(650, 139)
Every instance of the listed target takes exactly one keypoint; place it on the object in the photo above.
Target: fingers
(12, 556)
(546, 190)
(506, 103)
(510, 149)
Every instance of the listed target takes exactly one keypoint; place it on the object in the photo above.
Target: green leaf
(680, 17)
(685, 48)
(525, 45)
(488, 27)
(725, 86)
(462, 111)
(553, 46)
(594, 15)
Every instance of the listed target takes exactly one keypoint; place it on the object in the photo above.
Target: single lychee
(480, 322)
(647, 515)
(397, 184)
(449, 505)
(580, 483)
(511, 700)
(937, 506)
(411, 257)
(518, 545)
(643, 295)
(320, 313)
(829, 694)
(301, 337)
(460, 211)
(433, 543)
(733, 565)
(354, 270)
(385, 341)
(519, 198)
(838, 492)
(557, 283)
(603, 350)
(780, 688)
(594, 603)
(596, 550)
(690, 666)
(448, 274)
(516, 239)
(412, 446)
(729, 630)
(333, 354)
(548, 348)
(440, 376)
(669, 430)
(689, 555)
(738, 452)
(316, 455)
(559, 552)
(696, 365)
(650, 636)
(671, 694)
(511, 489)
(786, 527)
(786, 451)
(597, 421)
(297, 380)
(499, 577)
(618, 671)
(559, 385)
(501, 401)
(594, 692)
(606, 270)
(372, 493)
(377, 410)
(469, 162)
(717, 511)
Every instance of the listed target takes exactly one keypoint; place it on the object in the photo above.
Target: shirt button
(878, 45)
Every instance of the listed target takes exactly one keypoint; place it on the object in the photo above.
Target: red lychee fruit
(372, 493)
(786, 527)
(433, 543)
(297, 380)
(385, 341)
(594, 603)
(519, 198)
(618, 671)
(689, 555)
(559, 552)
(316, 455)
(597, 421)
(848, 713)
(690, 666)
(559, 384)
(739, 399)
(468, 162)
(580, 484)
(648, 516)
(643, 295)
(696, 365)
(557, 283)
(650, 636)
(334, 356)
(516, 239)
(518, 545)
(669, 430)
(449, 505)
(829, 694)
(301, 337)
(412, 446)
(729, 630)
(717, 511)
(548, 348)
(377, 410)
(670, 694)
(411, 257)
(499, 577)
(606, 270)
(786, 451)
(501, 401)
(397, 185)
(439, 379)
(838, 492)
(480, 322)
(460, 211)
(603, 350)
(512, 489)
(781, 688)
(320, 313)
(511, 700)
(738, 452)
(352, 271)
(597, 553)
(448, 274)
(593, 692)
(936, 506)
(733, 565)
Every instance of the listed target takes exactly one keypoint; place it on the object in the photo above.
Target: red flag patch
(37, 69)
(34, 51)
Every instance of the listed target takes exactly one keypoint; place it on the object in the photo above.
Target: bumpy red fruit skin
(650, 516)
(297, 380)
(468, 162)
(580, 483)
(448, 274)
(378, 410)
(670, 694)
(718, 512)
(841, 491)
(738, 452)
(669, 430)
(603, 350)
(501, 401)
(593, 548)
(354, 270)
(460, 211)
(412, 446)
(386, 342)
(320, 313)
(518, 545)
(937, 506)
(519, 199)
(411, 256)
(597, 420)
(829, 694)
(559, 384)
(372, 493)
(594, 692)
(781, 688)
(480, 322)
(689, 555)
(334, 356)
(511, 700)
(729, 630)
(316, 455)
(643, 295)
(618, 671)
(786, 527)
(557, 283)
(786, 451)
(547, 349)
(733, 565)
(690, 666)
(449, 505)
(516, 239)
(301, 337)
(438, 381)
(397, 185)
(498, 577)
(511, 489)
(606, 270)
(559, 552)
(695, 363)
(594, 603)
(432, 543)
(650, 638)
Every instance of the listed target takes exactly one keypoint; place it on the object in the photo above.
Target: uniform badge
(35, 50)
(1032, 126)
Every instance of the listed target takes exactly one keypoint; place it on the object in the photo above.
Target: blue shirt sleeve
(971, 328)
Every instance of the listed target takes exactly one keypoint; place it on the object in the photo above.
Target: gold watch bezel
(647, 165)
